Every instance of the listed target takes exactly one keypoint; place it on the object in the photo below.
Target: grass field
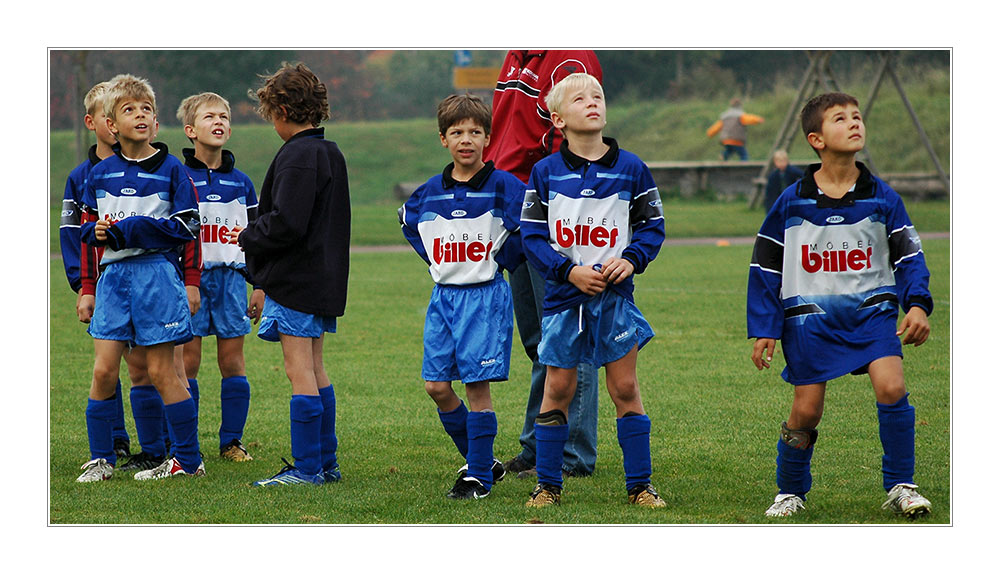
(715, 418)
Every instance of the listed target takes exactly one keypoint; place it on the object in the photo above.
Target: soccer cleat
(170, 468)
(903, 499)
(498, 471)
(645, 495)
(122, 447)
(331, 474)
(544, 495)
(290, 475)
(95, 471)
(785, 505)
(142, 461)
(235, 452)
(518, 466)
(468, 488)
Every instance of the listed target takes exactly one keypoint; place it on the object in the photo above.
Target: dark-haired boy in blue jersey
(140, 206)
(834, 259)
(591, 219)
(463, 223)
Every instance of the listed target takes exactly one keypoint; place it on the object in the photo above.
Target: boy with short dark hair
(463, 223)
(834, 259)
(298, 252)
(591, 219)
(140, 206)
(226, 199)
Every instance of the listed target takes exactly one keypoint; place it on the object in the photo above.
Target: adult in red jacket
(522, 133)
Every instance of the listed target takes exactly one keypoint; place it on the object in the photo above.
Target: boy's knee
(624, 390)
(437, 390)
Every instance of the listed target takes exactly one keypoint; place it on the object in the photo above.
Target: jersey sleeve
(69, 234)
(765, 311)
(553, 265)
(409, 219)
(906, 255)
(646, 221)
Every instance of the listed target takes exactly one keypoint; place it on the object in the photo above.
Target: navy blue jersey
(578, 212)
(226, 199)
(465, 231)
(827, 277)
(70, 217)
(152, 203)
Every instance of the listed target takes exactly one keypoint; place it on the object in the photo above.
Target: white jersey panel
(588, 230)
(118, 207)
(463, 251)
(217, 218)
(835, 259)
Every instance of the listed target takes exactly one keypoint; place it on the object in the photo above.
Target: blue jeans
(580, 452)
(738, 150)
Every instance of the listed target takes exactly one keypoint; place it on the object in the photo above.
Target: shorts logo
(129, 191)
(172, 325)
(621, 336)
(487, 362)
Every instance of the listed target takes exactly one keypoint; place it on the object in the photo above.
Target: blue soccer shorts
(223, 310)
(468, 333)
(600, 331)
(142, 300)
(277, 319)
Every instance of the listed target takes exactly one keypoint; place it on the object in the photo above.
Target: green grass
(715, 418)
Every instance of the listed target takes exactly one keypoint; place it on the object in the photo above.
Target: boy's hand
(256, 305)
(587, 279)
(84, 307)
(194, 298)
(916, 326)
(101, 228)
(763, 352)
(234, 236)
(616, 270)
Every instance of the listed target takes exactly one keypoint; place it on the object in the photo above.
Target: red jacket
(522, 132)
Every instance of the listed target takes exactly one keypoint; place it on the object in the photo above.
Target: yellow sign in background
(471, 78)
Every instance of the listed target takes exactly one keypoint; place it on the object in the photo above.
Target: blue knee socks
(100, 426)
(455, 424)
(234, 395)
(633, 437)
(328, 428)
(549, 443)
(793, 473)
(482, 429)
(896, 429)
(147, 411)
(182, 419)
(119, 431)
(306, 414)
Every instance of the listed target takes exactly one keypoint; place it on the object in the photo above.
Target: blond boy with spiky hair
(226, 199)
(141, 207)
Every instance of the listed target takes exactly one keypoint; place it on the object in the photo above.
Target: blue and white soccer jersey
(465, 232)
(71, 215)
(828, 275)
(226, 199)
(153, 206)
(578, 212)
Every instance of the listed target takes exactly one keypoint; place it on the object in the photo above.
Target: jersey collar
(864, 188)
(151, 163)
(228, 160)
(477, 180)
(576, 162)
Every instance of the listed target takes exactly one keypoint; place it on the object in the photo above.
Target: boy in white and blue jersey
(591, 219)
(834, 260)
(141, 207)
(69, 232)
(463, 223)
(226, 199)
